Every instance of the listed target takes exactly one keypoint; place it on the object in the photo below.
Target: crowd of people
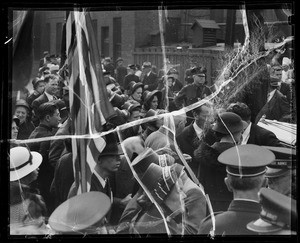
(180, 173)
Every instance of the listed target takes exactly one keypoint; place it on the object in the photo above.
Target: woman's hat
(80, 213)
(148, 95)
(23, 103)
(133, 86)
(229, 122)
(130, 105)
(23, 162)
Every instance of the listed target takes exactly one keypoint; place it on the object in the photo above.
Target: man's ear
(47, 117)
(226, 181)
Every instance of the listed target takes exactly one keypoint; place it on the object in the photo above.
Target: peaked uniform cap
(229, 122)
(284, 162)
(246, 160)
(80, 212)
(278, 212)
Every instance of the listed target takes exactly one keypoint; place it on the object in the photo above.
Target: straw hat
(23, 162)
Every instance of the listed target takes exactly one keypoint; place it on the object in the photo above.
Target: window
(58, 38)
(117, 38)
(105, 41)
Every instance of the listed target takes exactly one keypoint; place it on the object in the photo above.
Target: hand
(146, 86)
(126, 199)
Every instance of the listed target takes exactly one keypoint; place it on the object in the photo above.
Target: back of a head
(240, 109)
(45, 109)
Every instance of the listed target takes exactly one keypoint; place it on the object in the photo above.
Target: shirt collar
(49, 96)
(102, 181)
(245, 199)
(148, 73)
(246, 134)
(197, 129)
(271, 94)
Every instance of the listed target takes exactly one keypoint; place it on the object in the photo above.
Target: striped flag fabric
(89, 104)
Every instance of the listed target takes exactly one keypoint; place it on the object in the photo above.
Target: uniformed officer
(281, 173)
(82, 214)
(246, 167)
(193, 92)
(278, 215)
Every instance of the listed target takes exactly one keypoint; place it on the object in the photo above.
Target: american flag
(89, 104)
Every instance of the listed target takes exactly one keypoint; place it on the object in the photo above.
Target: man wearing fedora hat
(253, 134)
(278, 215)
(108, 163)
(148, 78)
(277, 106)
(228, 128)
(245, 168)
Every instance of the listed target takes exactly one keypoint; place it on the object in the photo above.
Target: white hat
(23, 162)
(286, 61)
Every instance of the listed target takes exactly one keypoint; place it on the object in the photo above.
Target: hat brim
(27, 169)
(63, 218)
(223, 130)
(261, 226)
(152, 94)
(112, 153)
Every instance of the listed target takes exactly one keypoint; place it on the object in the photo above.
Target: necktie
(107, 189)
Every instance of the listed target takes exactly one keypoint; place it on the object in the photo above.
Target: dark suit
(211, 174)
(234, 221)
(151, 80)
(263, 137)
(188, 140)
(276, 108)
(46, 171)
(121, 72)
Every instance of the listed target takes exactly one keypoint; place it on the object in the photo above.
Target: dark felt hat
(131, 105)
(80, 213)
(229, 122)
(23, 103)
(149, 156)
(148, 95)
(278, 212)
(160, 180)
(247, 160)
(133, 86)
(132, 66)
(112, 147)
(106, 72)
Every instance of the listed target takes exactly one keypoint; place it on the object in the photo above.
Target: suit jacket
(151, 80)
(263, 137)
(187, 140)
(190, 94)
(234, 221)
(211, 174)
(276, 108)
